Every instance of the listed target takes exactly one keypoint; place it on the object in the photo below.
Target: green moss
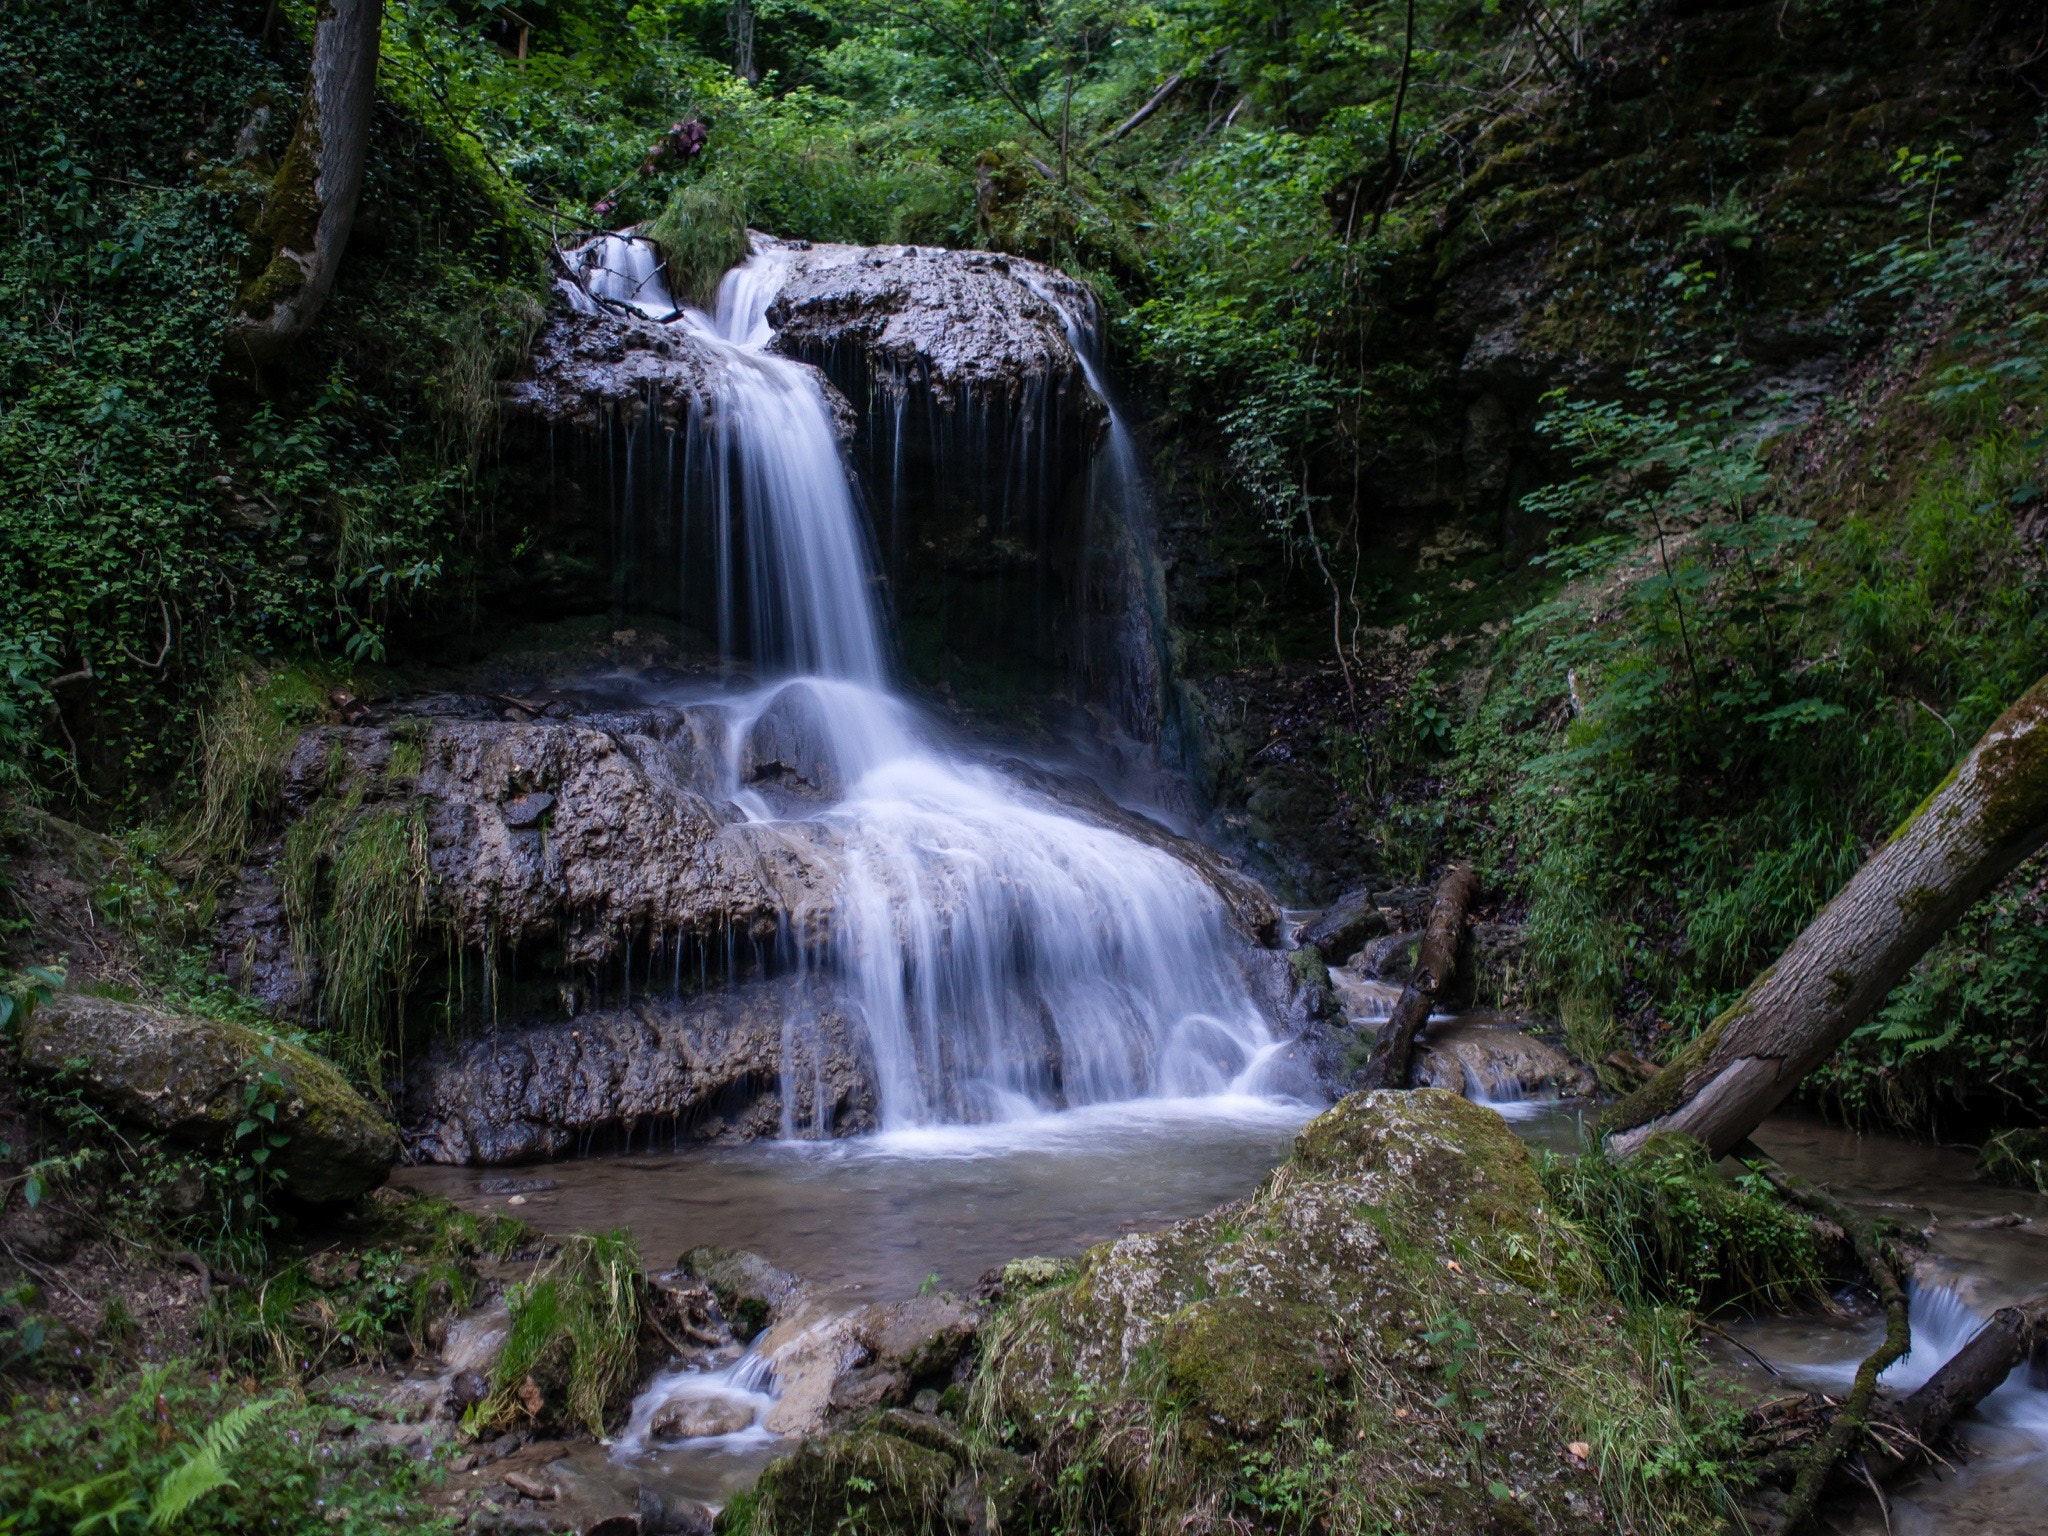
(1396, 1322)
(290, 220)
(866, 1482)
(1237, 1368)
(2012, 773)
(701, 234)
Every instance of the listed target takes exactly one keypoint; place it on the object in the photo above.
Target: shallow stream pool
(884, 1216)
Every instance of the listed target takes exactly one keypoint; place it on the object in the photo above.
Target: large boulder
(184, 1076)
(587, 371)
(710, 1065)
(1489, 1058)
(897, 1471)
(1394, 1333)
(949, 321)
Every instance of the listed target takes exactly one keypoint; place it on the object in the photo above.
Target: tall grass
(572, 1346)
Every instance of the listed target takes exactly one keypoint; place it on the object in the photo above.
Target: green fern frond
(205, 1468)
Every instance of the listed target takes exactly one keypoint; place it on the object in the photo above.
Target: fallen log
(1904, 1432)
(1852, 1418)
(1434, 967)
(1987, 816)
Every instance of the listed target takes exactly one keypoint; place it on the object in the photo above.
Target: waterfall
(1003, 957)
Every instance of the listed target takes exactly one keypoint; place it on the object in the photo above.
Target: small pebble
(517, 1200)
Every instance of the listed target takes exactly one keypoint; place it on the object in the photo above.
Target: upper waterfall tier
(955, 324)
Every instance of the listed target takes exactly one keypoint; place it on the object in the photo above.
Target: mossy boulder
(185, 1076)
(1393, 1333)
(895, 1474)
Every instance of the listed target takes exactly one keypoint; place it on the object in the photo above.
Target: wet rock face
(622, 945)
(619, 368)
(978, 429)
(967, 418)
(1397, 1293)
(711, 1067)
(593, 832)
(584, 366)
(1496, 1061)
(949, 321)
(184, 1076)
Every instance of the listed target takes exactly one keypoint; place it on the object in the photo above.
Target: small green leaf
(32, 1191)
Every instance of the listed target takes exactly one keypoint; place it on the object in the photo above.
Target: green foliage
(1693, 746)
(255, 717)
(160, 515)
(570, 1353)
(178, 1450)
(1963, 1037)
(1671, 1230)
(357, 892)
(701, 233)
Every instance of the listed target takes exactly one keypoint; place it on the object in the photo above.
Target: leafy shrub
(701, 234)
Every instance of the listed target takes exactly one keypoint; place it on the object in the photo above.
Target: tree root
(1852, 1419)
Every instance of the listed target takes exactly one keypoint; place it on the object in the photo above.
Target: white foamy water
(1004, 958)
(745, 1388)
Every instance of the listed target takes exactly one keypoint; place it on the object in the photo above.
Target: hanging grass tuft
(701, 234)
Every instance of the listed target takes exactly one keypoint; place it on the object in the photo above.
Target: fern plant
(204, 1468)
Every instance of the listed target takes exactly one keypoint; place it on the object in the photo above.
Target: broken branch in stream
(1434, 967)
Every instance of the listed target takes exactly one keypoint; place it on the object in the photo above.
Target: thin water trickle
(1003, 957)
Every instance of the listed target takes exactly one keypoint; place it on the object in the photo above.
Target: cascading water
(1003, 957)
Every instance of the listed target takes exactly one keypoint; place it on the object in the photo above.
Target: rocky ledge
(706, 1068)
(953, 323)
(949, 320)
(629, 942)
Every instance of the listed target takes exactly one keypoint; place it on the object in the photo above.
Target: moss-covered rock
(895, 1474)
(185, 1076)
(1395, 1332)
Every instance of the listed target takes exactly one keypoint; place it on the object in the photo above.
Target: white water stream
(1005, 959)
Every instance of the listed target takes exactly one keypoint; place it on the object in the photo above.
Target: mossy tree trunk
(312, 201)
(1988, 815)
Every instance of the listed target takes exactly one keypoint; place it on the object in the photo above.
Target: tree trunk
(1988, 815)
(312, 202)
(1434, 967)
